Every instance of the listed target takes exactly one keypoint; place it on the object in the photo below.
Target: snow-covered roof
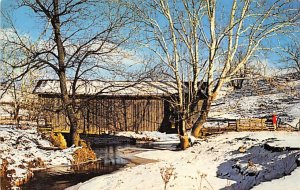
(109, 88)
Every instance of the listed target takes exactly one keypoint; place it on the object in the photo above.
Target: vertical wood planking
(109, 114)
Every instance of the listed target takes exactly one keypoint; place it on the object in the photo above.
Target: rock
(298, 162)
(251, 169)
(242, 149)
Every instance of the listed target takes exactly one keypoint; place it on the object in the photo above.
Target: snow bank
(21, 149)
(150, 136)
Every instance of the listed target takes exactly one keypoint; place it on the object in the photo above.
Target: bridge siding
(108, 114)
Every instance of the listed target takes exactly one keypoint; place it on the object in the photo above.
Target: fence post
(250, 120)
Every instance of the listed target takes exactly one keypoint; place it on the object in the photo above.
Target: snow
(122, 88)
(295, 112)
(153, 135)
(290, 182)
(260, 99)
(5, 97)
(20, 147)
(214, 163)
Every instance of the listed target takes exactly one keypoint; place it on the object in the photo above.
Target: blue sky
(28, 24)
(23, 18)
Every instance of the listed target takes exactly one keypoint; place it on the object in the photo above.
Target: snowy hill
(260, 98)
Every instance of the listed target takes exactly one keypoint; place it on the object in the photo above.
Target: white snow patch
(150, 135)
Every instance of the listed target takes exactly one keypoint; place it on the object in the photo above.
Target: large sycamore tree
(203, 44)
(77, 41)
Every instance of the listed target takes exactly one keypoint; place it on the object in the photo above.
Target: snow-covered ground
(235, 160)
(260, 99)
(150, 136)
(21, 149)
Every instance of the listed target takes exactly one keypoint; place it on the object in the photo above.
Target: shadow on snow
(269, 164)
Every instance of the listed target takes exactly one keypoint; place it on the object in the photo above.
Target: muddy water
(58, 178)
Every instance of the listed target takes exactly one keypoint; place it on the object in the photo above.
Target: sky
(28, 24)
(23, 18)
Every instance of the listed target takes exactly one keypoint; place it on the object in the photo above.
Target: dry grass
(166, 174)
(58, 140)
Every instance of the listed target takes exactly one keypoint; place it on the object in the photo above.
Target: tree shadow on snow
(268, 165)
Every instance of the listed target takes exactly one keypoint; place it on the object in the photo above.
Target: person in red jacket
(274, 120)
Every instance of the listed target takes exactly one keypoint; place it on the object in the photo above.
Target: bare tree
(21, 98)
(18, 91)
(78, 40)
(197, 42)
(291, 55)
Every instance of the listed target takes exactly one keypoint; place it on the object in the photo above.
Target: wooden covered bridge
(109, 106)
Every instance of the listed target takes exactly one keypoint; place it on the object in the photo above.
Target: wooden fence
(22, 121)
(249, 124)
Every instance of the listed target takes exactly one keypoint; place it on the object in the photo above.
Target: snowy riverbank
(21, 152)
(236, 160)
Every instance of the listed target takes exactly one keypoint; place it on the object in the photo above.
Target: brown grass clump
(83, 154)
(58, 140)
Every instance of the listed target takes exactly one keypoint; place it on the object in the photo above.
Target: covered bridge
(110, 106)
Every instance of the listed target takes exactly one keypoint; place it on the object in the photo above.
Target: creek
(61, 177)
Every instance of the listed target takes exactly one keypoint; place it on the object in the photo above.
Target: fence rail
(22, 121)
(246, 124)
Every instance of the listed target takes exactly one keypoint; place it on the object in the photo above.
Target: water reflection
(110, 154)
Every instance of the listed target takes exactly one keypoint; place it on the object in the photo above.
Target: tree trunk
(16, 114)
(67, 104)
(196, 130)
(184, 138)
(66, 100)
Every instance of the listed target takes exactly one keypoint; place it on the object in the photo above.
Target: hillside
(260, 98)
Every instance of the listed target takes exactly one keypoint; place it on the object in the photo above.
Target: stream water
(58, 178)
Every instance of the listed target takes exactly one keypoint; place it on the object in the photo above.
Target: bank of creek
(24, 152)
(61, 177)
(109, 159)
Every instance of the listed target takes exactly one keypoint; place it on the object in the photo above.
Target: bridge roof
(109, 88)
